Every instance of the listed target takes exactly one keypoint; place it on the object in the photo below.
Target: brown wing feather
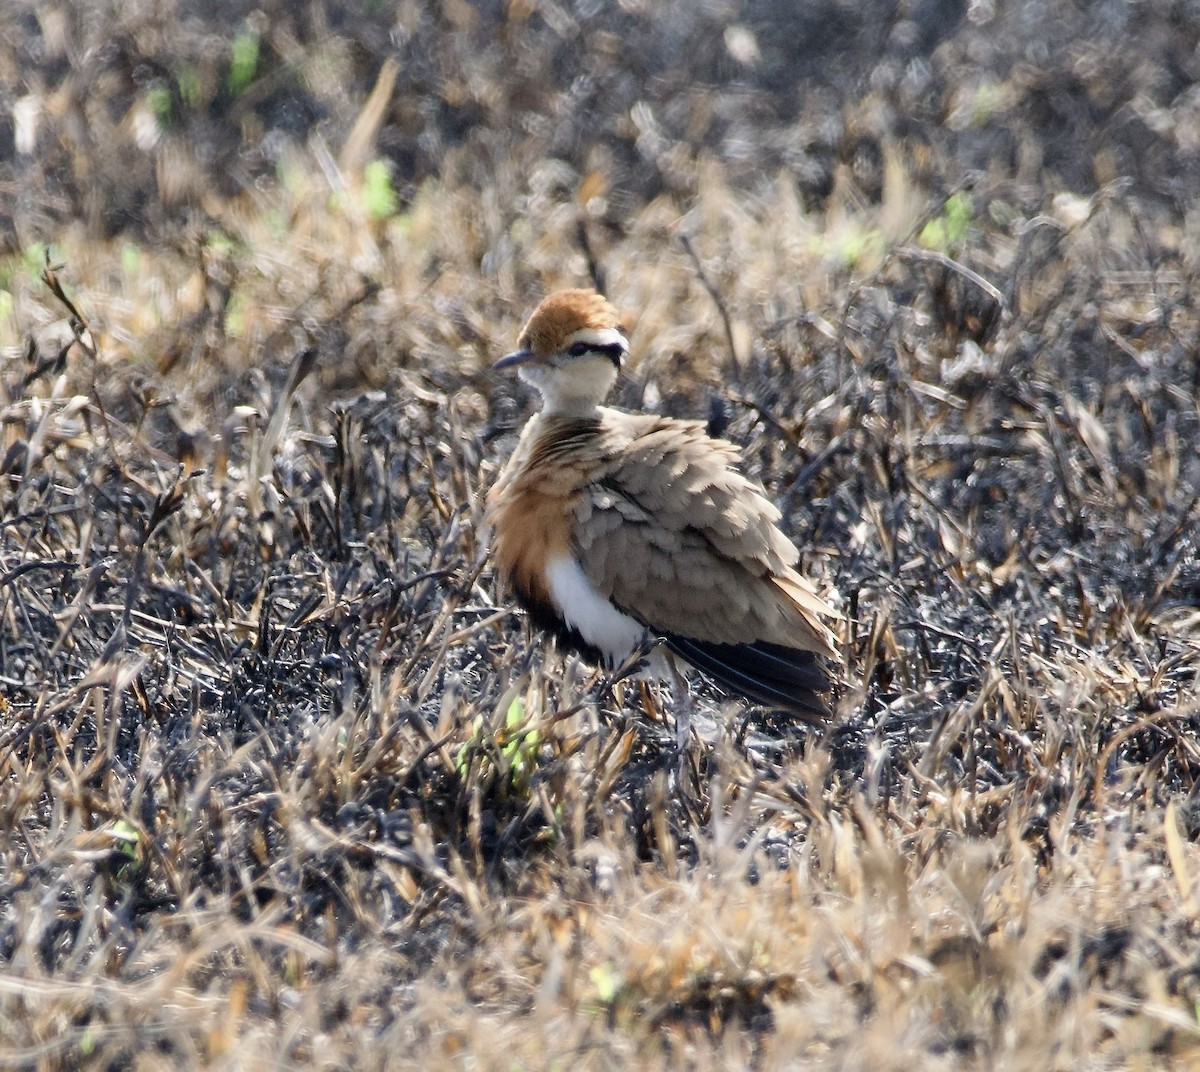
(676, 537)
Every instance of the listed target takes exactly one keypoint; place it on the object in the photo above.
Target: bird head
(571, 350)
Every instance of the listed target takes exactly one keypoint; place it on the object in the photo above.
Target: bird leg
(681, 696)
(613, 684)
(647, 655)
(636, 660)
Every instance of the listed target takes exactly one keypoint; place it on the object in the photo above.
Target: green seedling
(515, 747)
(947, 231)
(379, 197)
(244, 64)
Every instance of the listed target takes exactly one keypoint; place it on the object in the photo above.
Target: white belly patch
(587, 611)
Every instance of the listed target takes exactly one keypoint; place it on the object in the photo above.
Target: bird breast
(532, 514)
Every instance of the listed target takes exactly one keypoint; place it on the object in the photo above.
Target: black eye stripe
(614, 351)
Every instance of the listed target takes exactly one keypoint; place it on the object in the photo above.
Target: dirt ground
(284, 783)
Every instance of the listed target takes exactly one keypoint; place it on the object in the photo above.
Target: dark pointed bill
(517, 357)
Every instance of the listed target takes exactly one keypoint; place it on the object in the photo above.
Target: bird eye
(579, 349)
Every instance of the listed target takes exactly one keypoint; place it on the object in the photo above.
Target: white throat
(574, 390)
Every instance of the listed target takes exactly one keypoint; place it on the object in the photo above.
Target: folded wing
(676, 537)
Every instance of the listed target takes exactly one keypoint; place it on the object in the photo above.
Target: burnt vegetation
(282, 780)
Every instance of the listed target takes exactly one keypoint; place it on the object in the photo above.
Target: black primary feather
(772, 674)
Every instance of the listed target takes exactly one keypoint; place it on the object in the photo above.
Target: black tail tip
(770, 674)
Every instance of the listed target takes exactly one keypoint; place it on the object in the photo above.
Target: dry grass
(285, 787)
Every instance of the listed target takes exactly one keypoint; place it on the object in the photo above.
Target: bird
(622, 533)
